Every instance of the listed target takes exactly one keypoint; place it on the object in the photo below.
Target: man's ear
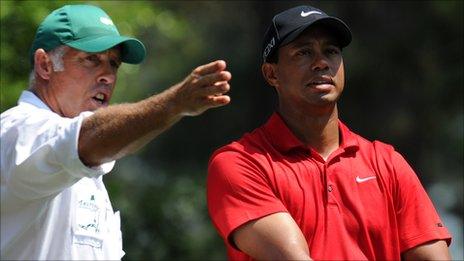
(42, 64)
(269, 73)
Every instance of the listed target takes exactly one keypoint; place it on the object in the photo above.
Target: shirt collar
(28, 97)
(284, 140)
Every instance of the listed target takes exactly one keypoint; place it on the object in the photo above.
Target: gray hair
(56, 56)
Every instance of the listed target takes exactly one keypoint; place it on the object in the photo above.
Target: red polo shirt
(364, 202)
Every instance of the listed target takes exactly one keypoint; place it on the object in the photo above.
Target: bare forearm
(119, 130)
(273, 237)
(433, 250)
(276, 254)
(113, 132)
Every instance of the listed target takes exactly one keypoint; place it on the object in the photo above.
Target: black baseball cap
(289, 24)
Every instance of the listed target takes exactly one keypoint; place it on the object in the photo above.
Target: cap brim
(133, 51)
(336, 25)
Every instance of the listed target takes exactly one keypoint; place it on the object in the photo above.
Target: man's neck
(42, 91)
(316, 130)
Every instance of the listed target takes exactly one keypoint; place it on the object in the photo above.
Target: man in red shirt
(303, 185)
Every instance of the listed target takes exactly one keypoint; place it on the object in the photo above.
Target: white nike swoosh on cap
(360, 180)
(304, 14)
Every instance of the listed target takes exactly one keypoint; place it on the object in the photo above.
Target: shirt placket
(330, 187)
(327, 182)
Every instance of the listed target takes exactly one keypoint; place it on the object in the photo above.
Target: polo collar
(30, 98)
(284, 140)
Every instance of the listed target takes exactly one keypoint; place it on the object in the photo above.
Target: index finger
(211, 67)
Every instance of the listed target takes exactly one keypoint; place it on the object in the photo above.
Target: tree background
(404, 86)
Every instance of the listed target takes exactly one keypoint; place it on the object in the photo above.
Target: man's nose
(108, 75)
(319, 63)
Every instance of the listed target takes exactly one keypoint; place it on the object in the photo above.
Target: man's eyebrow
(311, 43)
(116, 58)
(301, 44)
(115, 55)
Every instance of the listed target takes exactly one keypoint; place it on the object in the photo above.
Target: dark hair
(273, 58)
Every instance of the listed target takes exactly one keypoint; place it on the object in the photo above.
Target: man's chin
(325, 99)
(97, 105)
(101, 106)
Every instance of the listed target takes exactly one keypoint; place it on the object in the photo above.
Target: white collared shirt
(52, 205)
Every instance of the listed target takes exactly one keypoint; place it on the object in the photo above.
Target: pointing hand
(204, 88)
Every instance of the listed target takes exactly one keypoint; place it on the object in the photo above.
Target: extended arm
(118, 130)
(275, 237)
(433, 250)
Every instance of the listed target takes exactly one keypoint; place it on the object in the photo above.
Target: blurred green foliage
(404, 85)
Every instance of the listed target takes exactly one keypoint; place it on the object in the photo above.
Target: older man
(62, 136)
(303, 185)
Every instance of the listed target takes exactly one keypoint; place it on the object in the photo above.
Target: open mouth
(100, 98)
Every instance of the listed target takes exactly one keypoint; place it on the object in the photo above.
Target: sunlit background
(404, 86)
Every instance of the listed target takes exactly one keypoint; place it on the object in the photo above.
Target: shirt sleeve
(238, 191)
(43, 148)
(418, 221)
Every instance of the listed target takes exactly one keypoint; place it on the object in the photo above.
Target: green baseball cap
(86, 28)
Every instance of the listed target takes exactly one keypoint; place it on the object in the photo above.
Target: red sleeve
(418, 221)
(238, 191)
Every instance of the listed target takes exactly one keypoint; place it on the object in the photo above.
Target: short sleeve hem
(73, 163)
(248, 217)
(425, 237)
